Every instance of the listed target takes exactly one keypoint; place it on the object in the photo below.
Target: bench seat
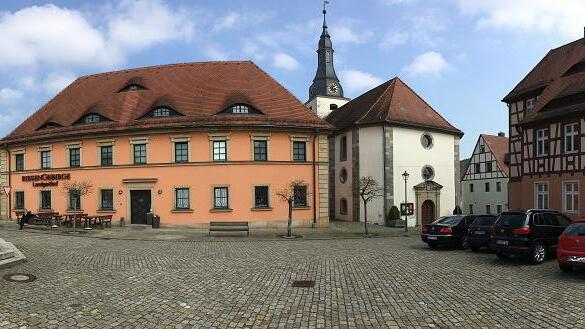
(229, 227)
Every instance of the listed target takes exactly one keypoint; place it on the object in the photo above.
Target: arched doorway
(427, 212)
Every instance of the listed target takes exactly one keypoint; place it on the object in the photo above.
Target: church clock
(333, 88)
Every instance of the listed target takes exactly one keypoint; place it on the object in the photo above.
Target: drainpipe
(9, 215)
(314, 179)
(385, 188)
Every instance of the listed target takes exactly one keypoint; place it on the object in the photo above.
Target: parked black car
(531, 233)
(479, 231)
(448, 231)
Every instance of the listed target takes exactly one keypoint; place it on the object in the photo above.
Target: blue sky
(461, 56)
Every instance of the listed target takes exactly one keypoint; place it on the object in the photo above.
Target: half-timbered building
(484, 186)
(547, 133)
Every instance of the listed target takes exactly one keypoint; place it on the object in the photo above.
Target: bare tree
(77, 190)
(369, 189)
(287, 194)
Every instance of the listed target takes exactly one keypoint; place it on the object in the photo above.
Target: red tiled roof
(556, 62)
(198, 91)
(557, 79)
(499, 146)
(391, 102)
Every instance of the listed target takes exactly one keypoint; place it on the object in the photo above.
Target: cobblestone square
(386, 282)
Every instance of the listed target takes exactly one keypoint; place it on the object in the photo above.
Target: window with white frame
(571, 138)
(541, 196)
(182, 198)
(529, 104)
(219, 150)
(571, 197)
(181, 152)
(19, 160)
(261, 197)
(541, 142)
(220, 198)
(45, 159)
(107, 199)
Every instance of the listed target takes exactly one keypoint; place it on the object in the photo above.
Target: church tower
(326, 93)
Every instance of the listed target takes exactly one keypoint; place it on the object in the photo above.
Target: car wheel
(538, 254)
(464, 243)
(502, 256)
(475, 249)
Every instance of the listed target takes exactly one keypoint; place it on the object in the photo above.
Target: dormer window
(50, 125)
(162, 112)
(132, 87)
(91, 118)
(240, 109)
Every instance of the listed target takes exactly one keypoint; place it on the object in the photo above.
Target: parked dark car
(478, 233)
(447, 231)
(531, 233)
(571, 248)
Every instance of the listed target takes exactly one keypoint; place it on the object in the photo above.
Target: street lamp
(405, 177)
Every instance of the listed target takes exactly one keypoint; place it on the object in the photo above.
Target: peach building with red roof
(192, 143)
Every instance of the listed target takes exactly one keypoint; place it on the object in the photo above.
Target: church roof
(391, 102)
(499, 146)
(196, 92)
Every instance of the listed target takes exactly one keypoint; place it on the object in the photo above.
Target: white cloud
(355, 81)
(286, 62)
(143, 23)
(227, 22)
(8, 95)
(394, 38)
(342, 33)
(562, 17)
(57, 81)
(428, 64)
(214, 52)
(53, 35)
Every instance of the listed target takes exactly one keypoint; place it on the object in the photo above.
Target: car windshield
(451, 220)
(575, 229)
(484, 221)
(511, 220)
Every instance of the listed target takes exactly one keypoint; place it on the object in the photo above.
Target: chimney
(501, 134)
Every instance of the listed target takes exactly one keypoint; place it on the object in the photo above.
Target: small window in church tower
(327, 56)
(333, 107)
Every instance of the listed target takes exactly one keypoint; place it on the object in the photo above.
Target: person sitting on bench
(25, 218)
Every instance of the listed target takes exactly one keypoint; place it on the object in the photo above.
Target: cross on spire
(325, 3)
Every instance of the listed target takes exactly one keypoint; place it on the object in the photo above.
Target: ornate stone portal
(428, 202)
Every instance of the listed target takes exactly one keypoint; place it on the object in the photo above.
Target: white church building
(384, 133)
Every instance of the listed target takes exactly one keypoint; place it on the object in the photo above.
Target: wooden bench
(103, 221)
(229, 227)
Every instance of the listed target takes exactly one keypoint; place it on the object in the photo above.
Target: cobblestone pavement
(390, 282)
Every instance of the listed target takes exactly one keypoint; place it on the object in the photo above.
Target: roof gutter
(316, 131)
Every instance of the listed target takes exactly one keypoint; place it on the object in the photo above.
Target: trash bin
(156, 222)
(149, 217)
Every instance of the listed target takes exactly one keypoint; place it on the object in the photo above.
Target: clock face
(333, 88)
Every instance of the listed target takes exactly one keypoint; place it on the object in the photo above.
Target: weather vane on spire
(325, 3)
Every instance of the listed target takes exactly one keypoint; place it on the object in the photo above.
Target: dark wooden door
(428, 212)
(139, 206)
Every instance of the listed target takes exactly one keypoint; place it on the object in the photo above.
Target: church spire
(325, 82)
